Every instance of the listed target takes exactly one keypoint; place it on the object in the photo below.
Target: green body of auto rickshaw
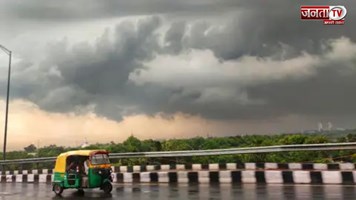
(82, 169)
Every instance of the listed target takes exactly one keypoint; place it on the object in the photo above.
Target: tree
(132, 144)
(351, 137)
(293, 139)
(51, 150)
(30, 148)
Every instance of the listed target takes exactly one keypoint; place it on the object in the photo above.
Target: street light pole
(8, 52)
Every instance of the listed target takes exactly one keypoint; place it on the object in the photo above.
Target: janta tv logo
(331, 15)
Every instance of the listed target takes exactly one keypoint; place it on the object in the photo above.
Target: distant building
(85, 144)
(320, 127)
(330, 126)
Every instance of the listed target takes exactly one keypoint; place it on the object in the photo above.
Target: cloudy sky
(103, 70)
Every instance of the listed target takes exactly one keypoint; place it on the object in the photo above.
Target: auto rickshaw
(82, 169)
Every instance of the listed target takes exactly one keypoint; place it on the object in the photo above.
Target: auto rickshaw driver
(84, 171)
(72, 166)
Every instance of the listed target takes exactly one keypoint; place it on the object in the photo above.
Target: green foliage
(293, 139)
(30, 148)
(133, 144)
(50, 151)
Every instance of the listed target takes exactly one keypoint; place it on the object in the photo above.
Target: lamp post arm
(8, 52)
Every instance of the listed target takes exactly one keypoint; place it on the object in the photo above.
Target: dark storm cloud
(104, 68)
(80, 75)
(260, 28)
(174, 36)
(67, 10)
(329, 93)
(98, 74)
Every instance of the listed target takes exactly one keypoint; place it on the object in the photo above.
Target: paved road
(24, 191)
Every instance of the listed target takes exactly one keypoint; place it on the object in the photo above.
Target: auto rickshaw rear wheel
(57, 189)
(80, 191)
(107, 187)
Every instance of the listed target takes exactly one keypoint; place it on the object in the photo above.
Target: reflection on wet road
(12, 191)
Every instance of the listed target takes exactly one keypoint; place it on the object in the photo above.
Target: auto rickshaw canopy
(61, 161)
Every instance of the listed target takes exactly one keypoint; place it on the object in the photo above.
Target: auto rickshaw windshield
(99, 159)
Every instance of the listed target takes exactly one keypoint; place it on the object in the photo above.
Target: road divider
(212, 167)
(234, 173)
(206, 177)
(234, 166)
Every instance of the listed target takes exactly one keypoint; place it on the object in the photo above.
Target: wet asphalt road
(23, 191)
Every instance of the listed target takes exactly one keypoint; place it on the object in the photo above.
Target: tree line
(133, 144)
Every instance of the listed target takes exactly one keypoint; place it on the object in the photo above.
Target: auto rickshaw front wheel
(106, 187)
(57, 189)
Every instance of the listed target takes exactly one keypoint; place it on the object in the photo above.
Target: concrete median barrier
(234, 173)
(205, 177)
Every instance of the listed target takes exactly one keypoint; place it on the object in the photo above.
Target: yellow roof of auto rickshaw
(80, 152)
(62, 158)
